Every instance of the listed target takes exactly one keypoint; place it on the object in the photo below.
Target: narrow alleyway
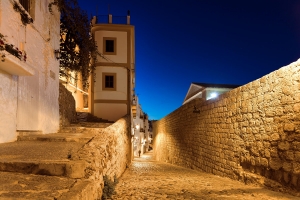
(149, 179)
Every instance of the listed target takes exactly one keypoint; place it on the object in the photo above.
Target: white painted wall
(19, 93)
(110, 111)
(121, 82)
(217, 91)
(121, 56)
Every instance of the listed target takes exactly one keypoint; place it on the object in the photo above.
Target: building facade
(141, 133)
(206, 91)
(29, 71)
(113, 82)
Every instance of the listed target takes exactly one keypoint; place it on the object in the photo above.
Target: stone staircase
(88, 117)
(48, 155)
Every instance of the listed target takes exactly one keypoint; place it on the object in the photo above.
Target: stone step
(42, 157)
(82, 130)
(29, 186)
(88, 117)
(70, 169)
(58, 137)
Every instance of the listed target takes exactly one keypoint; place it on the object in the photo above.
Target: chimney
(128, 17)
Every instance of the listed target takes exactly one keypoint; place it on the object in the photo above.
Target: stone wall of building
(108, 153)
(67, 107)
(251, 133)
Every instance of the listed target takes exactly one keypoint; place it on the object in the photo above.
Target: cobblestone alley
(149, 179)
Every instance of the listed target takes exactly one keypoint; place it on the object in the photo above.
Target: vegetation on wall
(109, 187)
(77, 47)
(4, 46)
(25, 17)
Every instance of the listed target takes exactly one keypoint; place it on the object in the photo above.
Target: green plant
(109, 187)
(25, 18)
(10, 49)
(77, 47)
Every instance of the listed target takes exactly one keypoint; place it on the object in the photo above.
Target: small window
(29, 6)
(25, 4)
(109, 81)
(109, 46)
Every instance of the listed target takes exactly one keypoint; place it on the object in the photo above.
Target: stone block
(287, 166)
(289, 155)
(286, 177)
(275, 163)
(296, 107)
(297, 156)
(264, 162)
(296, 168)
(75, 169)
(284, 145)
(275, 137)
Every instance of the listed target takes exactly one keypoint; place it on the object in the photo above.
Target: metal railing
(104, 19)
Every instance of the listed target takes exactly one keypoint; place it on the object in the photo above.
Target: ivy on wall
(25, 17)
(4, 46)
(77, 46)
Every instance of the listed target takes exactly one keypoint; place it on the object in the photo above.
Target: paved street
(149, 179)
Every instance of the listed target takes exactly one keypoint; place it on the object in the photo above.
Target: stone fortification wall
(108, 153)
(67, 107)
(251, 133)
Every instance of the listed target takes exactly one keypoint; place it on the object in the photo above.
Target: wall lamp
(57, 54)
(196, 110)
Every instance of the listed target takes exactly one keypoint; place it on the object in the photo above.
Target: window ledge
(15, 66)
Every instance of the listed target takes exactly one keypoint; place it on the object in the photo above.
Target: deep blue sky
(211, 41)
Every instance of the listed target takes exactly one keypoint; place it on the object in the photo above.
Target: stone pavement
(149, 179)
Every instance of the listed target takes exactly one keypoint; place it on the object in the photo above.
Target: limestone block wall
(67, 107)
(251, 131)
(108, 153)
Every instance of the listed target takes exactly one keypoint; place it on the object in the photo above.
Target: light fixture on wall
(57, 54)
(196, 110)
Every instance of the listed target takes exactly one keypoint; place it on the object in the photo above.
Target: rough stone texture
(108, 153)
(79, 158)
(249, 131)
(152, 180)
(67, 107)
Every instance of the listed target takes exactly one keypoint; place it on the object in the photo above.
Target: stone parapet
(67, 107)
(253, 129)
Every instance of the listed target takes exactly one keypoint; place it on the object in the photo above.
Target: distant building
(113, 82)
(206, 91)
(29, 74)
(141, 135)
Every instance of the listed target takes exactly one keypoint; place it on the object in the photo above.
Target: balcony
(15, 66)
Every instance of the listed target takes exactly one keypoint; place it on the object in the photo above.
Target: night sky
(212, 41)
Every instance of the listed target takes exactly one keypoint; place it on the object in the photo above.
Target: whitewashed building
(206, 91)
(113, 82)
(29, 77)
(141, 134)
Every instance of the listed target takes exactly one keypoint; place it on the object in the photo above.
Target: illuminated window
(109, 81)
(109, 46)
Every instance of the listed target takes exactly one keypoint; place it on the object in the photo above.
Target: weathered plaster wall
(67, 110)
(37, 94)
(251, 133)
(8, 99)
(108, 153)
